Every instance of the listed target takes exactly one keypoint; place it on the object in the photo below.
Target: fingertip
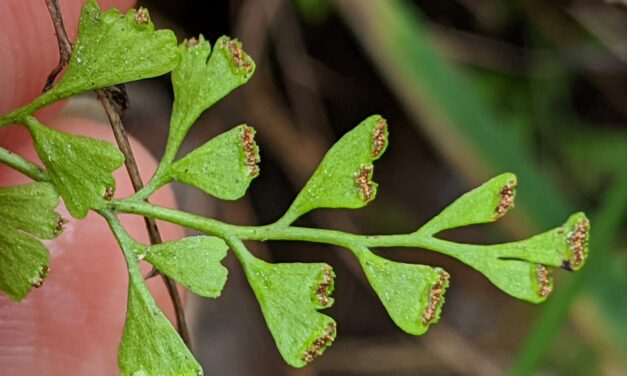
(75, 320)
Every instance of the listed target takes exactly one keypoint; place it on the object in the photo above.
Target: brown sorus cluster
(58, 228)
(191, 42)
(42, 276)
(322, 292)
(577, 239)
(435, 298)
(238, 55)
(542, 276)
(250, 151)
(108, 193)
(379, 138)
(364, 183)
(141, 16)
(507, 199)
(319, 344)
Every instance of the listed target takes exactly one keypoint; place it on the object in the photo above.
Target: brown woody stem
(65, 47)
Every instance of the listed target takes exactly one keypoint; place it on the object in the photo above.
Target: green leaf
(565, 246)
(222, 167)
(30, 208)
(290, 296)
(344, 177)
(23, 263)
(26, 211)
(114, 48)
(204, 77)
(520, 279)
(80, 167)
(150, 345)
(518, 268)
(521, 268)
(413, 295)
(194, 262)
(483, 204)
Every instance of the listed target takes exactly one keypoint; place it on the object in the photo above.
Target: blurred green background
(471, 88)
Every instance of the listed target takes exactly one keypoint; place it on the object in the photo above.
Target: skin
(73, 323)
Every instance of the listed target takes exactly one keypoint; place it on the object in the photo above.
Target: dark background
(470, 88)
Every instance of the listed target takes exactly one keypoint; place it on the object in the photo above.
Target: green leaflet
(518, 268)
(565, 246)
(111, 48)
(202, 78)
(290, 296)
(521, 269)
(194, 262)
(26, 211)
(413, 295)
(30, 208)
(80, 167)
(344, 177)
(520, 279)
(486, 203)
(222, 167)
(23, 263)
(114, 48)
(150, 345)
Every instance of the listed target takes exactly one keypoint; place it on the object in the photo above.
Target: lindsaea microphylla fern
(114, 48)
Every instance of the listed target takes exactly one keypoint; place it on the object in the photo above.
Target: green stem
(128, 245)
(43, 100)
(173, 144)
(158, 180)
(289, 217)
(22, 165)
(241, 252)
(280, 232)
(130, 248)
(225, 230)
